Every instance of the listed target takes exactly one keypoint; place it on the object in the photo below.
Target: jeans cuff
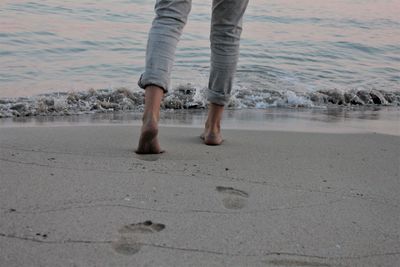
(151, 79)
(217, 98)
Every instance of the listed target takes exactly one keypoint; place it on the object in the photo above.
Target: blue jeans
(226, 28)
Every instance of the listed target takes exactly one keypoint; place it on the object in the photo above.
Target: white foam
(189, 96)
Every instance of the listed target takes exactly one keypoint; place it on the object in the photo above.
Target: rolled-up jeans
(166, 30)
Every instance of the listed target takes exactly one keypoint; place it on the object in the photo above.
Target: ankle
(214, 117)
(214, 128)
(150, 117)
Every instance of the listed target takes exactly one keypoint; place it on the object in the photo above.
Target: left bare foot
(148, 142)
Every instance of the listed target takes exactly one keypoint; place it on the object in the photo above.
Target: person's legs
(226, 28)
(171, 17)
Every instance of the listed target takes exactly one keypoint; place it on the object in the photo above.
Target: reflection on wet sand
(384, 120)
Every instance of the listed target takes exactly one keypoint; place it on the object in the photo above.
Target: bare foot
(212, 130)
(148, 142)
(212, 138)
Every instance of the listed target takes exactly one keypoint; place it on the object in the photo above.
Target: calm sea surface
(302, 45)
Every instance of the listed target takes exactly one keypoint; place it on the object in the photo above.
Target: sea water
(305, 53)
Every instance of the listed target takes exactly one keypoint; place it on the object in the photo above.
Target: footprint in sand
(128, 244)
(234, 198)
(143, 228)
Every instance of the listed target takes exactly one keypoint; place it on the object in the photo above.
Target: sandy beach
(309, 171)
(80, 196)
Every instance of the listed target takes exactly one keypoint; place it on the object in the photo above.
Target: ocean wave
(188, 97)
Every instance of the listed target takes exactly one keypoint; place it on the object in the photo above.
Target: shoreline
(193, 98)
(383, 120)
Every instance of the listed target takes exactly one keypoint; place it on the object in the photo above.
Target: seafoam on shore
(187, 97)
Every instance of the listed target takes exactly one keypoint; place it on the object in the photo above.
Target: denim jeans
(166, 30)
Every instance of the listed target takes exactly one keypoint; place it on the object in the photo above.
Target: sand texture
(80, 196)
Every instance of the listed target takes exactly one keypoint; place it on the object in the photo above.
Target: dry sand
(80, 196)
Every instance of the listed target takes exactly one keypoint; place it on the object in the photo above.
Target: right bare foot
(212, 138)
(148, 142)
(212, 130)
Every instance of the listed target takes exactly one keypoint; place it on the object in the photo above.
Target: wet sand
(79, 196)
